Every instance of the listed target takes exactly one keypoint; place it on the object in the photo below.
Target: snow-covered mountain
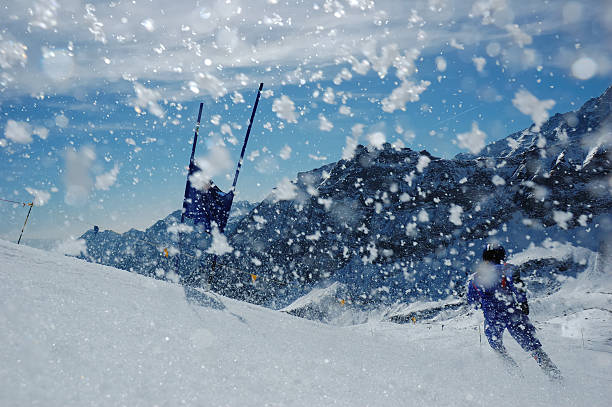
(144, 252)
(74, 333)
(394, 224)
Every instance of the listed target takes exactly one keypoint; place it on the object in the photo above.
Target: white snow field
(79, 334)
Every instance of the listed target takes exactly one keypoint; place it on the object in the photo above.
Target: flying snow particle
(345, 110)
(19, 132)
(12, 53)
(344, 75)
(106, 180)
(41, 132)
(76, 176)
(215, 119)
(147, 99)
(219, 244)
(205, 13)
(423, 163)
(324, 124)
(148, 24)
(71, 247)
(377, 139)
(216, 161)
(285, 109)
(479, 63)
(285, 190)
(317, 157)
(61, 121)
(209, 83)
(486, 275)
(440, 64)
(491, 11)
(373, 253)
(493, 49)
(497, 180)
(329, 96)
(44, 14)
(455, 44)
(529, 105)
(40, 197)
(584, 68)
(285, 152)
(513, 144)
(520, 38)
(237, 98)
(226, 130)
(177, 228)
(411, 229)
(253, 155)
(361, 67)
(562, 218)
(423, 216)
(266, 94)
(95, 26)
(455, 214)
(315, 236)
(407, 92)
(357, 130)
(327, 203)
(474, 140)
(348, 152)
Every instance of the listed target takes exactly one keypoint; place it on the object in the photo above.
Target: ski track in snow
(74, 333)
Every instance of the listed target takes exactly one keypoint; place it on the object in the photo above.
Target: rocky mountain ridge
(396, 225)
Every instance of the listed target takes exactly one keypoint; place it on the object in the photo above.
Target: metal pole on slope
(31, 204)
(191, 162)
(246, 140)
(188, 186)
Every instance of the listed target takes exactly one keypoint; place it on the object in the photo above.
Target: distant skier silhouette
(497, 289)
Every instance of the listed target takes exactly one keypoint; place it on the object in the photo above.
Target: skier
(497, 289)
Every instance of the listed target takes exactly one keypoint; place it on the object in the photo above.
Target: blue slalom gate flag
(207, 205)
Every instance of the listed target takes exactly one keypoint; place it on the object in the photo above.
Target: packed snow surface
(74, 334)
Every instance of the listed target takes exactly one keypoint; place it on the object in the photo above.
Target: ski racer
(497, 289)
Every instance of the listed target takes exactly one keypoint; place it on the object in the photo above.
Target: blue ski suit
(493, 289)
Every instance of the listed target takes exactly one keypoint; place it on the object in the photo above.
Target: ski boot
(547, 365)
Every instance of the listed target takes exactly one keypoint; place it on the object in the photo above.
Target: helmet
(494, 253)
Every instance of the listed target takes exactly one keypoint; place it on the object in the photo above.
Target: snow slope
(75, 334)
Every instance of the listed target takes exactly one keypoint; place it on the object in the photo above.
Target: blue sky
(98, 100)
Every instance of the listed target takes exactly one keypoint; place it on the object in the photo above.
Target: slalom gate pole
(191, 162)
(246, 138)
(31, 204)
(188, 186)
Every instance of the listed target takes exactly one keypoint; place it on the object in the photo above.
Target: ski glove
(524, 307)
